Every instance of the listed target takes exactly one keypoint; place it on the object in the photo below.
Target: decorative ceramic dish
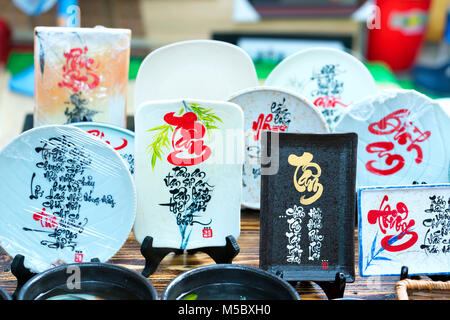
(329, 78)
(308, 207)
(401, 139)
(404, 226)
(189, 156)
(68, 197)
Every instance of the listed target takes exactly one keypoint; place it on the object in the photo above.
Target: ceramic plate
(68, 197)
(402, 139)
(331, 79)
(417, 237)
(189, 156)
(122, 140)
(274, 109)
(196, 69)
(308, 207)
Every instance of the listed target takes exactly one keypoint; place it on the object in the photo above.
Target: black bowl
(4, 295)
(229, 282)
(98, 281)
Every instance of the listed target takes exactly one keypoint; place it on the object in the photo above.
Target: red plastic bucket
(5, 37)
(398, 31)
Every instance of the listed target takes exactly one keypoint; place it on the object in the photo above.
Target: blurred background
(404, 43)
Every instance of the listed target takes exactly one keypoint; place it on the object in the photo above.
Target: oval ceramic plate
(122, 140)
(68, 197)
(331, 79)
(273, 109)
(401, 139)
(197, 69)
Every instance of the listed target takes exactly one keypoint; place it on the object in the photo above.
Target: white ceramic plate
(331, 79)
(122, 140)
(270, 109)
(189, 156)
(196, 69)
(445, 103)
(416, 238)
(401, 139)
(67, 197)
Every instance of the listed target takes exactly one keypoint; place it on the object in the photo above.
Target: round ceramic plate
(196, 69)
(67, 197)
(270, 109)
(331, 79)
(122, 140)
(401, 139)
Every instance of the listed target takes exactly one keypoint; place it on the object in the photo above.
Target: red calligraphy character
(78, 257)
(394, 220)
(403, 138)
(328, 102)
(207, 232)
(46, 220)
(382, 149)
(389, 124)
(187, 140)
(79, 71)
(394, 123)
(261, 124)
(101, 135)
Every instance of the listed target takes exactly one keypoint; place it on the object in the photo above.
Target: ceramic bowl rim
(99, 265)
(267, 275)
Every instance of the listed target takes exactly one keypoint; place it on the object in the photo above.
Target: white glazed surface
(197, 69)
(421, 247)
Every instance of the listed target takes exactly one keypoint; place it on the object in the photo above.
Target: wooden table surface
(129, 256)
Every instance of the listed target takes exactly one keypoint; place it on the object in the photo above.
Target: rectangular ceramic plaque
(81, 74)
(308, 207)
(188, 172)
(404, 226)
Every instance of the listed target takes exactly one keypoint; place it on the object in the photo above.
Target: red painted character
(101, 135)
(261, 125)
(328, 102)
(78, 72)
(46, 220)
(207, 232)
(394, 220)
(78, 257)
(396, 122)
(187, 140)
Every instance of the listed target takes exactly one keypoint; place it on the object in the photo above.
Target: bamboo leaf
(153, 161)
(158, 128)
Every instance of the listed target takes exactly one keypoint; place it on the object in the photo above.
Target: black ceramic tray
(309, 235)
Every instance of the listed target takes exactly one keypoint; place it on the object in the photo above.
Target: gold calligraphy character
(309, 179)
